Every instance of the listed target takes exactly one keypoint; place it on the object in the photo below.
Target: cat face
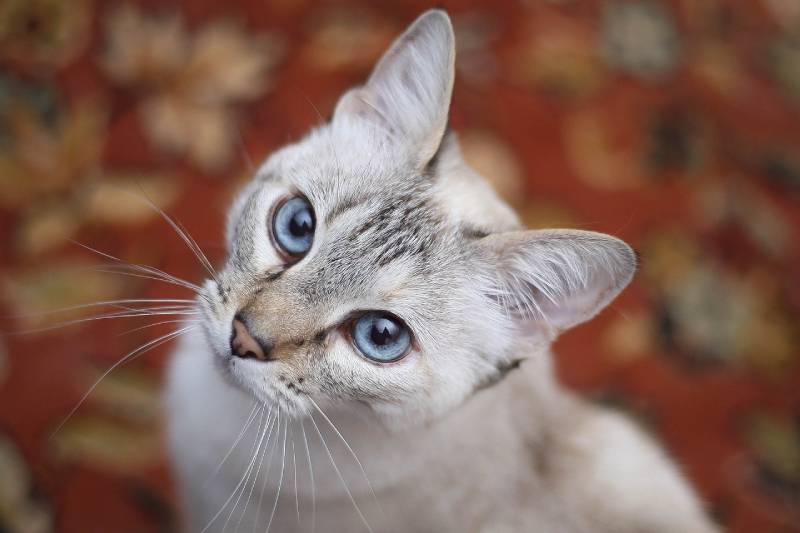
(369, 264)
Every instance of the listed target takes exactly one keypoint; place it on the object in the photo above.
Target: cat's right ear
(408, 93)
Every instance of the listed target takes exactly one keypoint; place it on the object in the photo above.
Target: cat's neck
(529, 392)
(515, 412)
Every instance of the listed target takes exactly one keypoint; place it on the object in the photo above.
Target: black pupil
(384, 331)
(301, 223)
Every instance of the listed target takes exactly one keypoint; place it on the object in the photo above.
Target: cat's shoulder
(608, 465)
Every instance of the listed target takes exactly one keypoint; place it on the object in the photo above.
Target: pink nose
(244, 345)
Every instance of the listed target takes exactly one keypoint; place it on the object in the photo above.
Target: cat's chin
(249, 377)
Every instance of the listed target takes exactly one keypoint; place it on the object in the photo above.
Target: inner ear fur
(557, 278)
(408, 94)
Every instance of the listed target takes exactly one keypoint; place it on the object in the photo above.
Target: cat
(374, 355)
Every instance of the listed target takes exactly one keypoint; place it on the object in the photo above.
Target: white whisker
(248, 422)
(176, 282)
(187, 239)
(311, 475)
(101, 304)
(129, 356)
(294, 468)
(338, 473)
(243, 150)
(153, 271)
(241, 481)
(108, 316)
(266, 474)
(280, 479)
(160, 323)
(246, 478)
(123, 267)
(353, 453)
(258, 471)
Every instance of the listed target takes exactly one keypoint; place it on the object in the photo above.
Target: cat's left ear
(408, 93)
(551, 280)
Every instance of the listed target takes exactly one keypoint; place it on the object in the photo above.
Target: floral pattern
(671, 123)
(190, 81)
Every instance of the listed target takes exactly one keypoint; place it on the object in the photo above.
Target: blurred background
(674, 124)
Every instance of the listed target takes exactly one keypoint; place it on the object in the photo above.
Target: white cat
(374, 355)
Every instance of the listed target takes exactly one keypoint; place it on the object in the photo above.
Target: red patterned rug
(672, 124)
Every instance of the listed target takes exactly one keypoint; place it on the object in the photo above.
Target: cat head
(368, 263)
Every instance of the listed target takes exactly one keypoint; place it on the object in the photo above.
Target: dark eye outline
(287, 256)
(349, 331)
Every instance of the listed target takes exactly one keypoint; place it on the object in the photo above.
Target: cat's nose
(245, 345)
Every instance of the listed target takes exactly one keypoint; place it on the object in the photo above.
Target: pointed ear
(408, 93)
(557, 278)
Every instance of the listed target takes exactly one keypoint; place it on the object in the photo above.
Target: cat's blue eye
(381, 337)
(293, 226)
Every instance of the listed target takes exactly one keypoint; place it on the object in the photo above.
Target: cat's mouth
(266, 382)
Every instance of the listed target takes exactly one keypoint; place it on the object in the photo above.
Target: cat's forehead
(402, 231)
(380, 227)
(337, 166)
(380, 241)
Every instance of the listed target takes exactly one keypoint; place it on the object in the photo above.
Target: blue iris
(293, 226)
(381, 337)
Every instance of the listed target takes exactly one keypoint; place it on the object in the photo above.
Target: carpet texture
(671, 124)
